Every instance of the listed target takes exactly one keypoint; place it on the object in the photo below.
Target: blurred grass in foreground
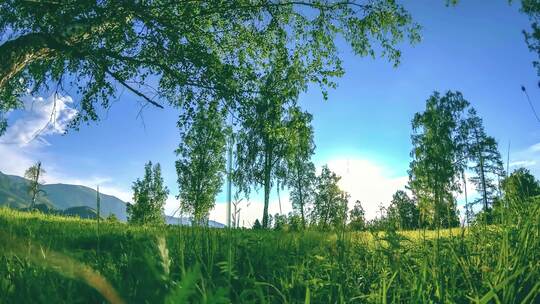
(50, 259)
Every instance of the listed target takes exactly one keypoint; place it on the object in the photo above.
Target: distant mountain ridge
(13, 193)
(70, 200)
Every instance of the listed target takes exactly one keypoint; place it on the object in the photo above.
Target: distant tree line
(237, 79)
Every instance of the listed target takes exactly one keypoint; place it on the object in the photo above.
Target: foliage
(438, 157)
(112, 218)
(201, 165)
(35, 175)
(357, 217)
(155, 264)
(330, 204)
(257, 225)
(149, 196)
(273, 131)
(483, 152)
(301, 175)
(280, 221)
(183, 51)
(403, 211)
(532, 9)
(520, 187)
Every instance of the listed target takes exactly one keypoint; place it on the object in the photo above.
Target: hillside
(14, 194)
(73, 200)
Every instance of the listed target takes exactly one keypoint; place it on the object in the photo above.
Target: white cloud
(250, 210)
(14, 160)
(367, 181)
(534, 148)
(363, 179)
(528, 158)
(40, 117)
(523, 163)
(26, 137)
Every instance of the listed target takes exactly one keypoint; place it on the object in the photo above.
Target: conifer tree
(487, 165)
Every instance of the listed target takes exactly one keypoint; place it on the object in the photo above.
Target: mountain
(71, 200)
(81, 211)
(14, 194)
(68, 196)
(186, 221)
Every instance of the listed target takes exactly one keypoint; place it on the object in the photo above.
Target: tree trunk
(482, 173)
(16, 54)
(267, 176)
(299, 179)
(36, 186)
(467, 211)
(483, 178)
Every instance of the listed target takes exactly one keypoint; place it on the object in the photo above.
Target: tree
(149, 196)
(235, 212)
(301, 175)
(201, 165)
(302, 192)
(270, 128)
(112, 218)
(260, 148)
(532, 9)
(257, 225)
(520, 187)
(280, 221)
(34, 174)
(294, 222)
(183, 50)
(487, 163)
(357, 217)
(330, 205)
(438, 149)
(403, 211)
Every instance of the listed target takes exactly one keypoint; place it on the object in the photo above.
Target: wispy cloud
(523, 163)
(528, 158)
(39, 118)
(26, 138)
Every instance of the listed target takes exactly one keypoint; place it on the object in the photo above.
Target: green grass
(49, 259)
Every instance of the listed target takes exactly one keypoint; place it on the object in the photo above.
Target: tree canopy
(330, 205)
(403, 211)
(438, 151)
(176, 52)
(201, 163)
(520, 186)
(149, 196)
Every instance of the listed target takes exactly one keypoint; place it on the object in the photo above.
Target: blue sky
(362, 131)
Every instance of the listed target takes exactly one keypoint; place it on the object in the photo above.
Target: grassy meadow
(51, 259)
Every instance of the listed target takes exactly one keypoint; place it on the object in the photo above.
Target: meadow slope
(51, 259)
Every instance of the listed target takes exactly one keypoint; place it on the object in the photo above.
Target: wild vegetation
(234, 70)
(48, 259)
